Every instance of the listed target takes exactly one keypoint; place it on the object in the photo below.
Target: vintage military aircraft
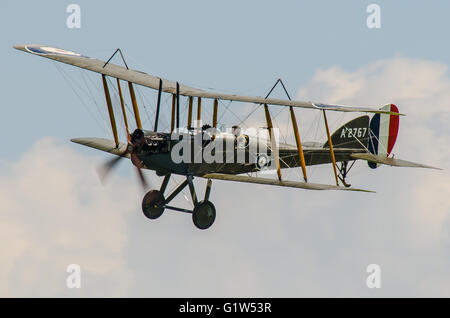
(363, 138)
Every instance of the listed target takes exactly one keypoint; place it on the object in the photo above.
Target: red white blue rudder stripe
(383, 133)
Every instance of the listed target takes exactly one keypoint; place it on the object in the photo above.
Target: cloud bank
(54, 213)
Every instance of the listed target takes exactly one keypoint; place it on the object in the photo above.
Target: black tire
(151, 204)
(204, 215)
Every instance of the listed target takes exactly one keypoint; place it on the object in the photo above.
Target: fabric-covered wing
(103, 145)
(151, 81)
(267, 181)
(390, 161)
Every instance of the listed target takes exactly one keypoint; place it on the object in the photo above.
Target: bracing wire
(144, 104)
(66, 79)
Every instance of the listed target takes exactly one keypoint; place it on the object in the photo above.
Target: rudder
(383, 133)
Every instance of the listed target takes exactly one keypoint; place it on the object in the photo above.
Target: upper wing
(151, 81)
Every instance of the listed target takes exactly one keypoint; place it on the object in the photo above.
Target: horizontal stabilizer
(389, 161)
(290, 184)
(103, 145)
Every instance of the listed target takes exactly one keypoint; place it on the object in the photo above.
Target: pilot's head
(236, 130)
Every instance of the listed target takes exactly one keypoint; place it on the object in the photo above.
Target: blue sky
(265, 242)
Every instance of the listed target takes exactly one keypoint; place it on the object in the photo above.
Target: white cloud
(418, 200)
(421, 89)
(391, 80)
(54, 212)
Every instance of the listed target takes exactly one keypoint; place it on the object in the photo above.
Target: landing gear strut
(203, 215)
(343, 171)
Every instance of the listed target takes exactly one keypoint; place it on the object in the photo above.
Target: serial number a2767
(247, 307)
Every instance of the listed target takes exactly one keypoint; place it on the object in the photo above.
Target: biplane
(364, 138)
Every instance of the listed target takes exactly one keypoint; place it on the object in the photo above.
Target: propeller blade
(105, 169)
(142, 178)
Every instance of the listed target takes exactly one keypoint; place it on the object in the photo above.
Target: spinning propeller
(135, 141)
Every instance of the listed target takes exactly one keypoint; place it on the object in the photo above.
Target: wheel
(204, 215)
(151, 204)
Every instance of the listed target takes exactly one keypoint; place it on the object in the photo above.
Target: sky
(266, 241)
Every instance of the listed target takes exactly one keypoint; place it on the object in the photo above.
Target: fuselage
(200, 153)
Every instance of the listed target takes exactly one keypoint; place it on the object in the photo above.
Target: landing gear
(153, 204)
(203, 214)
(343, 171)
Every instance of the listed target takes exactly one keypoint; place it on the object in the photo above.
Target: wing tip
(78, 140)
(19, 47)
(431, 167)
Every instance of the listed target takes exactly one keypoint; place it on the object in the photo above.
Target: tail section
(383, 133)
(352, 135)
